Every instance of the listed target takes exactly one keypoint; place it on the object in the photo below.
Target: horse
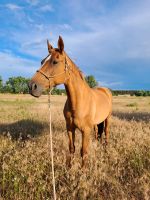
(85, 107)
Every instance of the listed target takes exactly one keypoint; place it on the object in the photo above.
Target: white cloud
(13, 7)
(11, 65)
(113, 37)
(117, 35)
(110, 84)
(46, 8)
(64, 27)
(98, 37)
(37, 46)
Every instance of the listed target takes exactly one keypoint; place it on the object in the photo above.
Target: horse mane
(76, 70)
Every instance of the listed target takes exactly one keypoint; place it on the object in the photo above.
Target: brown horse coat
(85, 107)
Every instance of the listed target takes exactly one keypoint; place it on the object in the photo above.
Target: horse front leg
(85, 146)
(71, 137)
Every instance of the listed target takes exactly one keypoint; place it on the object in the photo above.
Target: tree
(1, 84)
(91, 81)
(17, 85)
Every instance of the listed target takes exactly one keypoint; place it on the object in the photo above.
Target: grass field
(120, 172)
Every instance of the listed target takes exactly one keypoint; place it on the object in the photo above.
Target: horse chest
(81, 123)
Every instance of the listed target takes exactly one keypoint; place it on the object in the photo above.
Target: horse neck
(76, 86)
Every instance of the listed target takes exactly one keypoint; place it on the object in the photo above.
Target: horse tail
(100, 129)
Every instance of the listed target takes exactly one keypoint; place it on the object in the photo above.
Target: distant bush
(142, 93)
(131, 92)
(57, 91)
(132, 105)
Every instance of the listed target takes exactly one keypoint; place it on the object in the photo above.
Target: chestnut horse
(85, 107)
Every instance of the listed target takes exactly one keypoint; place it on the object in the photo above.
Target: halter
(53, 76)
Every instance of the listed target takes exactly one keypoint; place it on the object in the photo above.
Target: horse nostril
(35, 86)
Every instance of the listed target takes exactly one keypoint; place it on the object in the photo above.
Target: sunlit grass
(122, 171)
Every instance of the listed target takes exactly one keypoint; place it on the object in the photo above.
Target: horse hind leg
(106, 129)
(100, 131)
(96, 131)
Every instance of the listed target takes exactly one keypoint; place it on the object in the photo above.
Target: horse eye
(55, 62)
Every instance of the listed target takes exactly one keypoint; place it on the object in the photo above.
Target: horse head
(52, 71)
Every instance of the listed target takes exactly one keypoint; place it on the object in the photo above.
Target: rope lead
(51, 143)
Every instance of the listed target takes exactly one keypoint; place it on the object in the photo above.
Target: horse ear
(60, 44)
(49, 46)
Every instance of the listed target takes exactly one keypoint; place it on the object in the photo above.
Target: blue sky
(109, 39)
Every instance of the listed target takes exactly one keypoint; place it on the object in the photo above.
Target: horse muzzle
(35, 89)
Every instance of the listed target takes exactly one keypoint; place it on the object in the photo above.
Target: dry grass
(122, 171)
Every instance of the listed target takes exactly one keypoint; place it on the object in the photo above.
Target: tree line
(19, 84)
(143, 93)
(14, 85)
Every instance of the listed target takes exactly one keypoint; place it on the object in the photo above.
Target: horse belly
(102, 110)
(100, 116)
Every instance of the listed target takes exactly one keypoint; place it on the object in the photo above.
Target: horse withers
(85, 107)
